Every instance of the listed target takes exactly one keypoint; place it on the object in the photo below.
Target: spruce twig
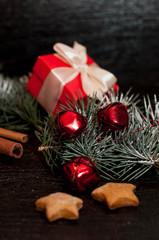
(19, 110)
(127, 155)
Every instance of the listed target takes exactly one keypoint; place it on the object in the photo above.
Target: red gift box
(57, 76)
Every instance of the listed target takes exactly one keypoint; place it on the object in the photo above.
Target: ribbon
(94, 78)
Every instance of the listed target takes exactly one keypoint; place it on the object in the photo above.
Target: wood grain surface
(23, 181)
(121, 35)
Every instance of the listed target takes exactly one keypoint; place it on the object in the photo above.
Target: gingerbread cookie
(59, 205)
(116, 195)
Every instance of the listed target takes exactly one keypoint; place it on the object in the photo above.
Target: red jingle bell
(80, 173)
(70, 123)
(113, 117)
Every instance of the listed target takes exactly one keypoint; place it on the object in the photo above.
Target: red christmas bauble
(70, 123)
(113, 117)
(80, 173)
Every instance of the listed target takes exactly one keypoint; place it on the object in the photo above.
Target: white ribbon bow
(94, 78)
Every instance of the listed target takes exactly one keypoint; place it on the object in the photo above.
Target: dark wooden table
(25, 180)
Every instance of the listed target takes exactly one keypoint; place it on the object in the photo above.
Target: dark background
(120, 35)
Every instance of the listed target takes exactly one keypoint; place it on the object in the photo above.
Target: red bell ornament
(70, 123)
(113, 117)
(80, 173)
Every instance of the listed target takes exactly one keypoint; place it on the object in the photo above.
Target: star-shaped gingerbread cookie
(116, 195)
(59, 205)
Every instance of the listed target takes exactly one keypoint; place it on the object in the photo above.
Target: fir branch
(18, 109)
(50, 147)
(126, 155)
(136, 151)
(151, 113)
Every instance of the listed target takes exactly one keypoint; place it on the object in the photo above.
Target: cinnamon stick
(11, 148)
(20, 137)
